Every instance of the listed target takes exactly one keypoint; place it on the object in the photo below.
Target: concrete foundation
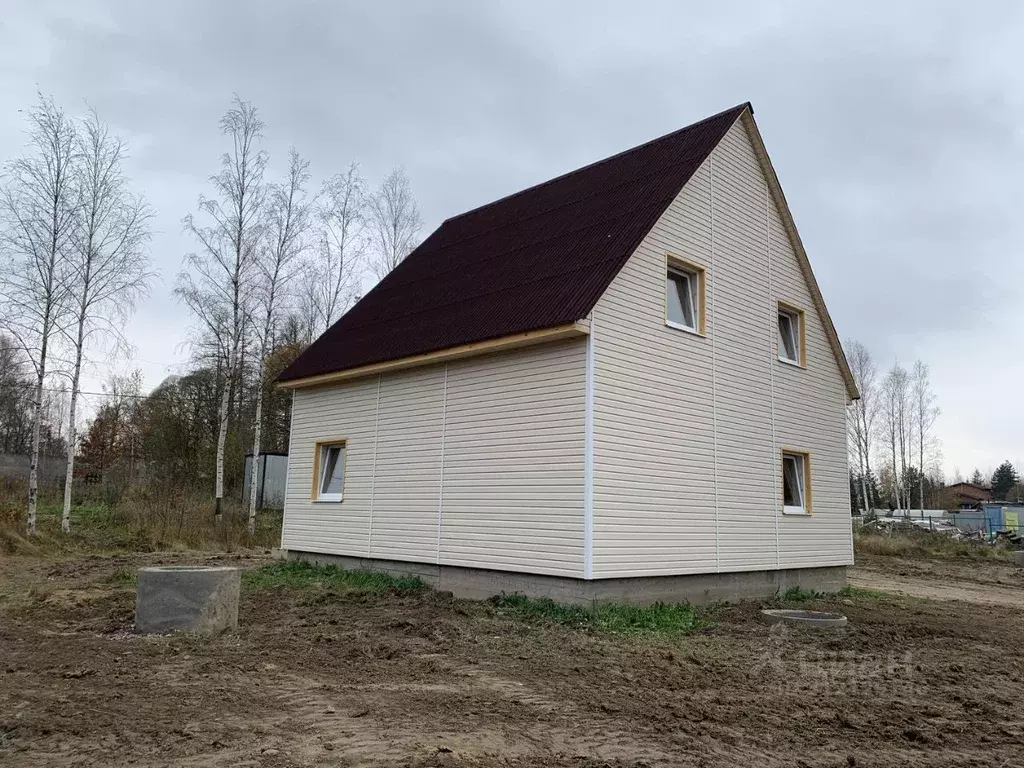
(187, 598)
(480, 583)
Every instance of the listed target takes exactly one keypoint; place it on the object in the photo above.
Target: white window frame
(801, 463)
(322, 451)
(694, 276)
(796, 326)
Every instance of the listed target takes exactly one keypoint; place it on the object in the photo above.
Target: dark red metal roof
(536, 259)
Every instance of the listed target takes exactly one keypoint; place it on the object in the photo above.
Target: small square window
(791, 335)
(795, 483)
(684, 298)
(331, 467)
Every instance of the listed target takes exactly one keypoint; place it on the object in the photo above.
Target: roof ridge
(738, 108)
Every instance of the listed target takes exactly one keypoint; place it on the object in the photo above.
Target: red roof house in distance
(969, 494)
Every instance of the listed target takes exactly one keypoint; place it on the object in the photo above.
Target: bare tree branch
(108, 264)
(288, 215)
(219, 282)
(395, 222)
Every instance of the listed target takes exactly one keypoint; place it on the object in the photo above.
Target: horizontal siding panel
(654, 430)
(318, 414)
(513, 490)
(408, 465)
(512, 428)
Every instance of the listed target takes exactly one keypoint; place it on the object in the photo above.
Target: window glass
(682, 298)
(788, 348)
(793, 482)
(332, 476)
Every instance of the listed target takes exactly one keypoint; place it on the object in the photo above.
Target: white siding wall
(490, 448)
(688, 429)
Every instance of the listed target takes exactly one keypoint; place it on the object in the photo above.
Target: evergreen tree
(1003, 480)
(976, 478)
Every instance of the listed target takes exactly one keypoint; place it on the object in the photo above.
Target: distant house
(622, 383)
(969, 495)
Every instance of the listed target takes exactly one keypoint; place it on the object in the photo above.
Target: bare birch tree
(395, 222)
(924, 414)
(331, 281)
(218, 284)
(108, 265)
(896, 427)
(863, 414)
(38, 207)
(287, 218)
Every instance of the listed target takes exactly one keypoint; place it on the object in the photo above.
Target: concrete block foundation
(187, 598)
(702, 588)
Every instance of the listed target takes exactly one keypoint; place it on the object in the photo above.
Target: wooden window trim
(683, 265)
(808, 496)
(792, 309)
(318, 447)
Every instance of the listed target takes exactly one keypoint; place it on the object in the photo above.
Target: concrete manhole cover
(804, 618)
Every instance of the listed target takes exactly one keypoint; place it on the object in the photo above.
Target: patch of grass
(923, 545)
(863, 592)
(621, 618)
(298, 574)
(797, 594)
(122, 578)
(145, 520)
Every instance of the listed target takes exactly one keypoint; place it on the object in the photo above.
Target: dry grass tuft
(143, 521)
(924, 545)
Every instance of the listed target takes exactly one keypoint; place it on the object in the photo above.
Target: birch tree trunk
(222, 436)
(257, 432)
(33, 467)
(65, 518)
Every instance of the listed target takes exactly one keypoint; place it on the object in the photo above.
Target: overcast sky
(895, 132)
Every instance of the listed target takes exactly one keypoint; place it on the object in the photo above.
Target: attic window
(796, 483)
(791, 335)
(684, 296)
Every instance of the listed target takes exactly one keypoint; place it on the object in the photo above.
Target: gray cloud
(894, 132)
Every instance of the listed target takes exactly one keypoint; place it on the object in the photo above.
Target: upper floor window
(684, 296)
(791, 335)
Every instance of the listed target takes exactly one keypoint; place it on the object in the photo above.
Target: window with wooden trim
(329, 471)
(791, 335)
(684, 296)
(796, 483)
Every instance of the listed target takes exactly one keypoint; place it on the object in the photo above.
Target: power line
(91, 394)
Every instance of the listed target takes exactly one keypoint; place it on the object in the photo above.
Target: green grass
(298, 574)
(798, 594)
(620, 618)
(862, 592)
(122, 578)
(86, 514)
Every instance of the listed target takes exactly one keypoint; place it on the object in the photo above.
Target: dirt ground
(977, 582)
(312, 679)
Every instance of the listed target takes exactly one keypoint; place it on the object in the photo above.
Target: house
(968, 495)
(622, 383)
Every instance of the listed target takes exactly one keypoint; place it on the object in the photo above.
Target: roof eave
(514, 341)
